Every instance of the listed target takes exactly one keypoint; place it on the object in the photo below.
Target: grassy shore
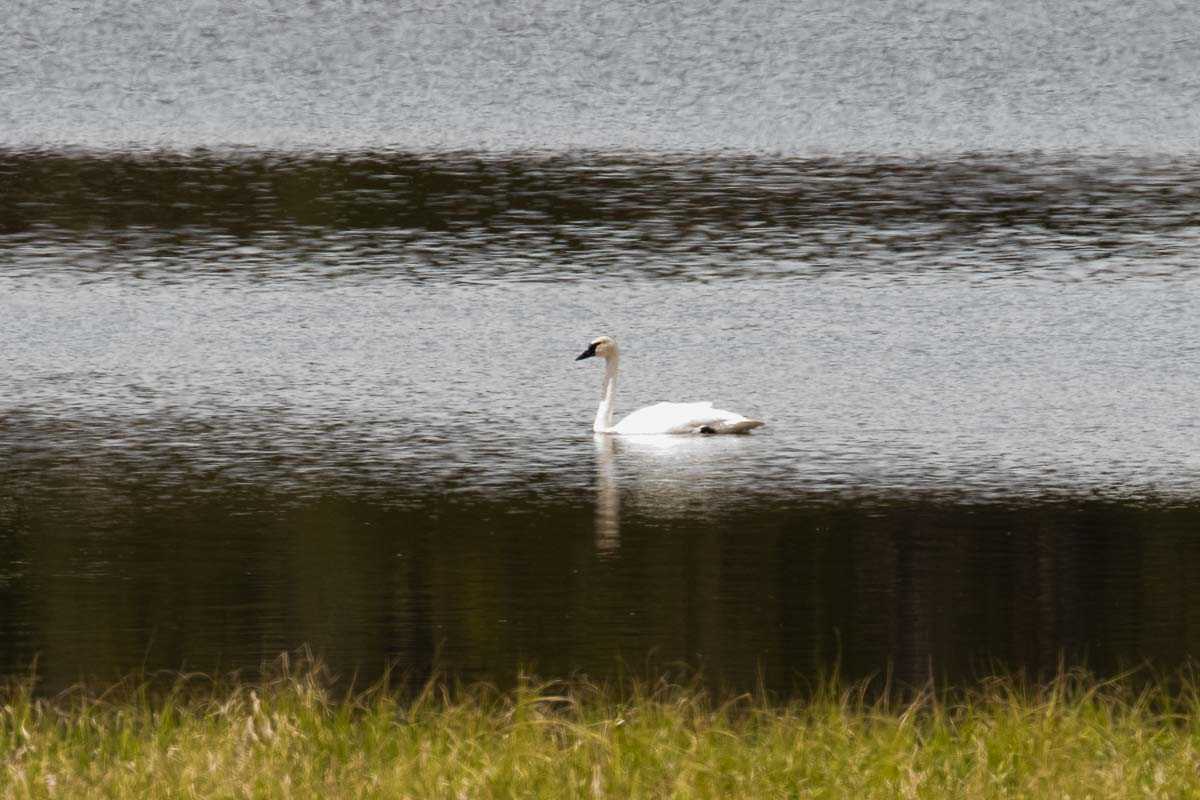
(290, 737)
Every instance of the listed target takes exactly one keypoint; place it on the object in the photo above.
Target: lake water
(288, 323)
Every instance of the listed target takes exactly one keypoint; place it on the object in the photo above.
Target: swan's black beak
(591, 351)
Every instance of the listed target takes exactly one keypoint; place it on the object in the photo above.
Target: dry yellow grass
(291, 737)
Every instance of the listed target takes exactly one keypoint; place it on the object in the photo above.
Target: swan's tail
(732, 426)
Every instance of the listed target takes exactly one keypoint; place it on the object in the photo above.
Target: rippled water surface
(290, 300)
(255, 401)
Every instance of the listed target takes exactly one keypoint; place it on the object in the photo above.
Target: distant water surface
(916, 76)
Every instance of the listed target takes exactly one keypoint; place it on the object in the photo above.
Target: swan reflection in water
(670, 476)
(608, 500)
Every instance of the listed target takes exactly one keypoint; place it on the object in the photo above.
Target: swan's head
(603, 347)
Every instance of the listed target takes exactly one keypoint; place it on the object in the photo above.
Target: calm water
(289, 302)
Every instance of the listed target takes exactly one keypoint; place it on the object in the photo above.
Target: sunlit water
(289, 302)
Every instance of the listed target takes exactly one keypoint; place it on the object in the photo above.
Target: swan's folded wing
(684, 418)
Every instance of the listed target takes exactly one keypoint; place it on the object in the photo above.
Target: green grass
(289, 736)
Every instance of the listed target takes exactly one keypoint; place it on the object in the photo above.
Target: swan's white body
(660, 418)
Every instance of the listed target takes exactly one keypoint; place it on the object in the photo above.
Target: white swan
(660, 417)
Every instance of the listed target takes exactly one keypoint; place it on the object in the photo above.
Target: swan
(660, 417)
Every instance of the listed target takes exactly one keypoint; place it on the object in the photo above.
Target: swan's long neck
(608, 395)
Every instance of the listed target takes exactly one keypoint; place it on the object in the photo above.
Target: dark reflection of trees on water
(97, 583)
(413, 217)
